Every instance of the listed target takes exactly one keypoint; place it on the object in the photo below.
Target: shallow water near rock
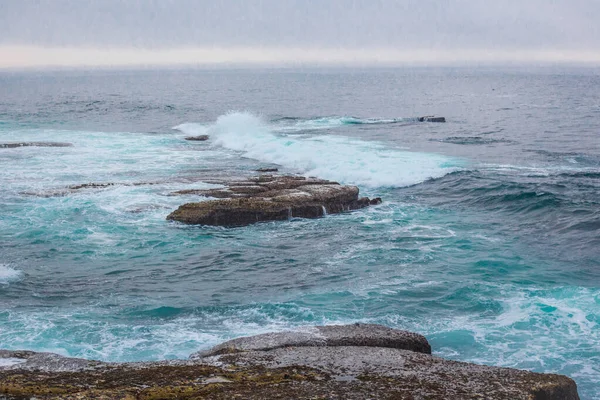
(486, 242)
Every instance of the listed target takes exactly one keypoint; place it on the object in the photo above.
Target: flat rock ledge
(34, 144)
(330, 362)
(269, 198)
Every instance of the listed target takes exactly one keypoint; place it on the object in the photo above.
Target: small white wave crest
(339, 158)
(191, 129)
(334, 122)
(8, 274)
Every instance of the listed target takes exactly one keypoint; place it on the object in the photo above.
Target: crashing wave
(339, 158)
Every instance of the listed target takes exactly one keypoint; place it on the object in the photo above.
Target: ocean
(487, 240)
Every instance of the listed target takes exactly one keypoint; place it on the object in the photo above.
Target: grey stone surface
(367, 335)
(359, 361)
(48, 362)
(417, 375)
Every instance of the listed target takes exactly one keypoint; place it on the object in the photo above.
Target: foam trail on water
(334, 122)
(338, 158)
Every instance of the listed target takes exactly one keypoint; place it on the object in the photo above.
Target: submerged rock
(34, 144)
(197, 138)
(269, 198)
(60, 192)
(345, 362)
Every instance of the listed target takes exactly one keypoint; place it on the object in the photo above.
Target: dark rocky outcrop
(200, 138)
(431, 118)
(333, 362)
(269, 198)
(267, 170)
(33, 144)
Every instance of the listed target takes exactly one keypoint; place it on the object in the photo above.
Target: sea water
(487, 240)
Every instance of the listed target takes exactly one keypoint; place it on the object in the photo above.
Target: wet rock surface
(199, 138)
(431, 118)
(269, 198)
(34, 144)
(333, 362)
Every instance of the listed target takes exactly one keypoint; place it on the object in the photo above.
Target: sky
(297, 32)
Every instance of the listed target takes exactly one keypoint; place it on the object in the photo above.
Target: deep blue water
(487, 241)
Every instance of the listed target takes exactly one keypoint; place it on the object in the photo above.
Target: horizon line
(34, 57)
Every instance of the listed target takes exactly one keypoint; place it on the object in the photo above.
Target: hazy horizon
(68, 33)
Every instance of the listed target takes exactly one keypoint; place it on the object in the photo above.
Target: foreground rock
(333, 362)
(363, 335)
(33, 144)
(269, 198)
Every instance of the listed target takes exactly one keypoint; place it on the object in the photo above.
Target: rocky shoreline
(359, 361)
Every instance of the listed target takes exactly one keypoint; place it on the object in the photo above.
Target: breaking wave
(339, 158)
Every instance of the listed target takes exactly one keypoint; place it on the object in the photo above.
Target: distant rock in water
(269, 198)
(197, 138)
(431, 118)
(34, 144)
(267, 170)
(355, 362)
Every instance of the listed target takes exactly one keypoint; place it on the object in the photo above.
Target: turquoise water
(486, 242)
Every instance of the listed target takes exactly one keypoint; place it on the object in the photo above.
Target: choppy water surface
(487, 240)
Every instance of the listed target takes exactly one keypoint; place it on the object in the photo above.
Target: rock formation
(331, 362)
(197, 138)
(269, 198)
(431, 118)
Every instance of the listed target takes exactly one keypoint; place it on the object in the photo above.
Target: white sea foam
(8, 274)
(175, 338)
(191, 129)
(334, 122)
(332, 157)
(9, 362)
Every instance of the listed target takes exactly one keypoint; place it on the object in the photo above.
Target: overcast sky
(44, 31)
